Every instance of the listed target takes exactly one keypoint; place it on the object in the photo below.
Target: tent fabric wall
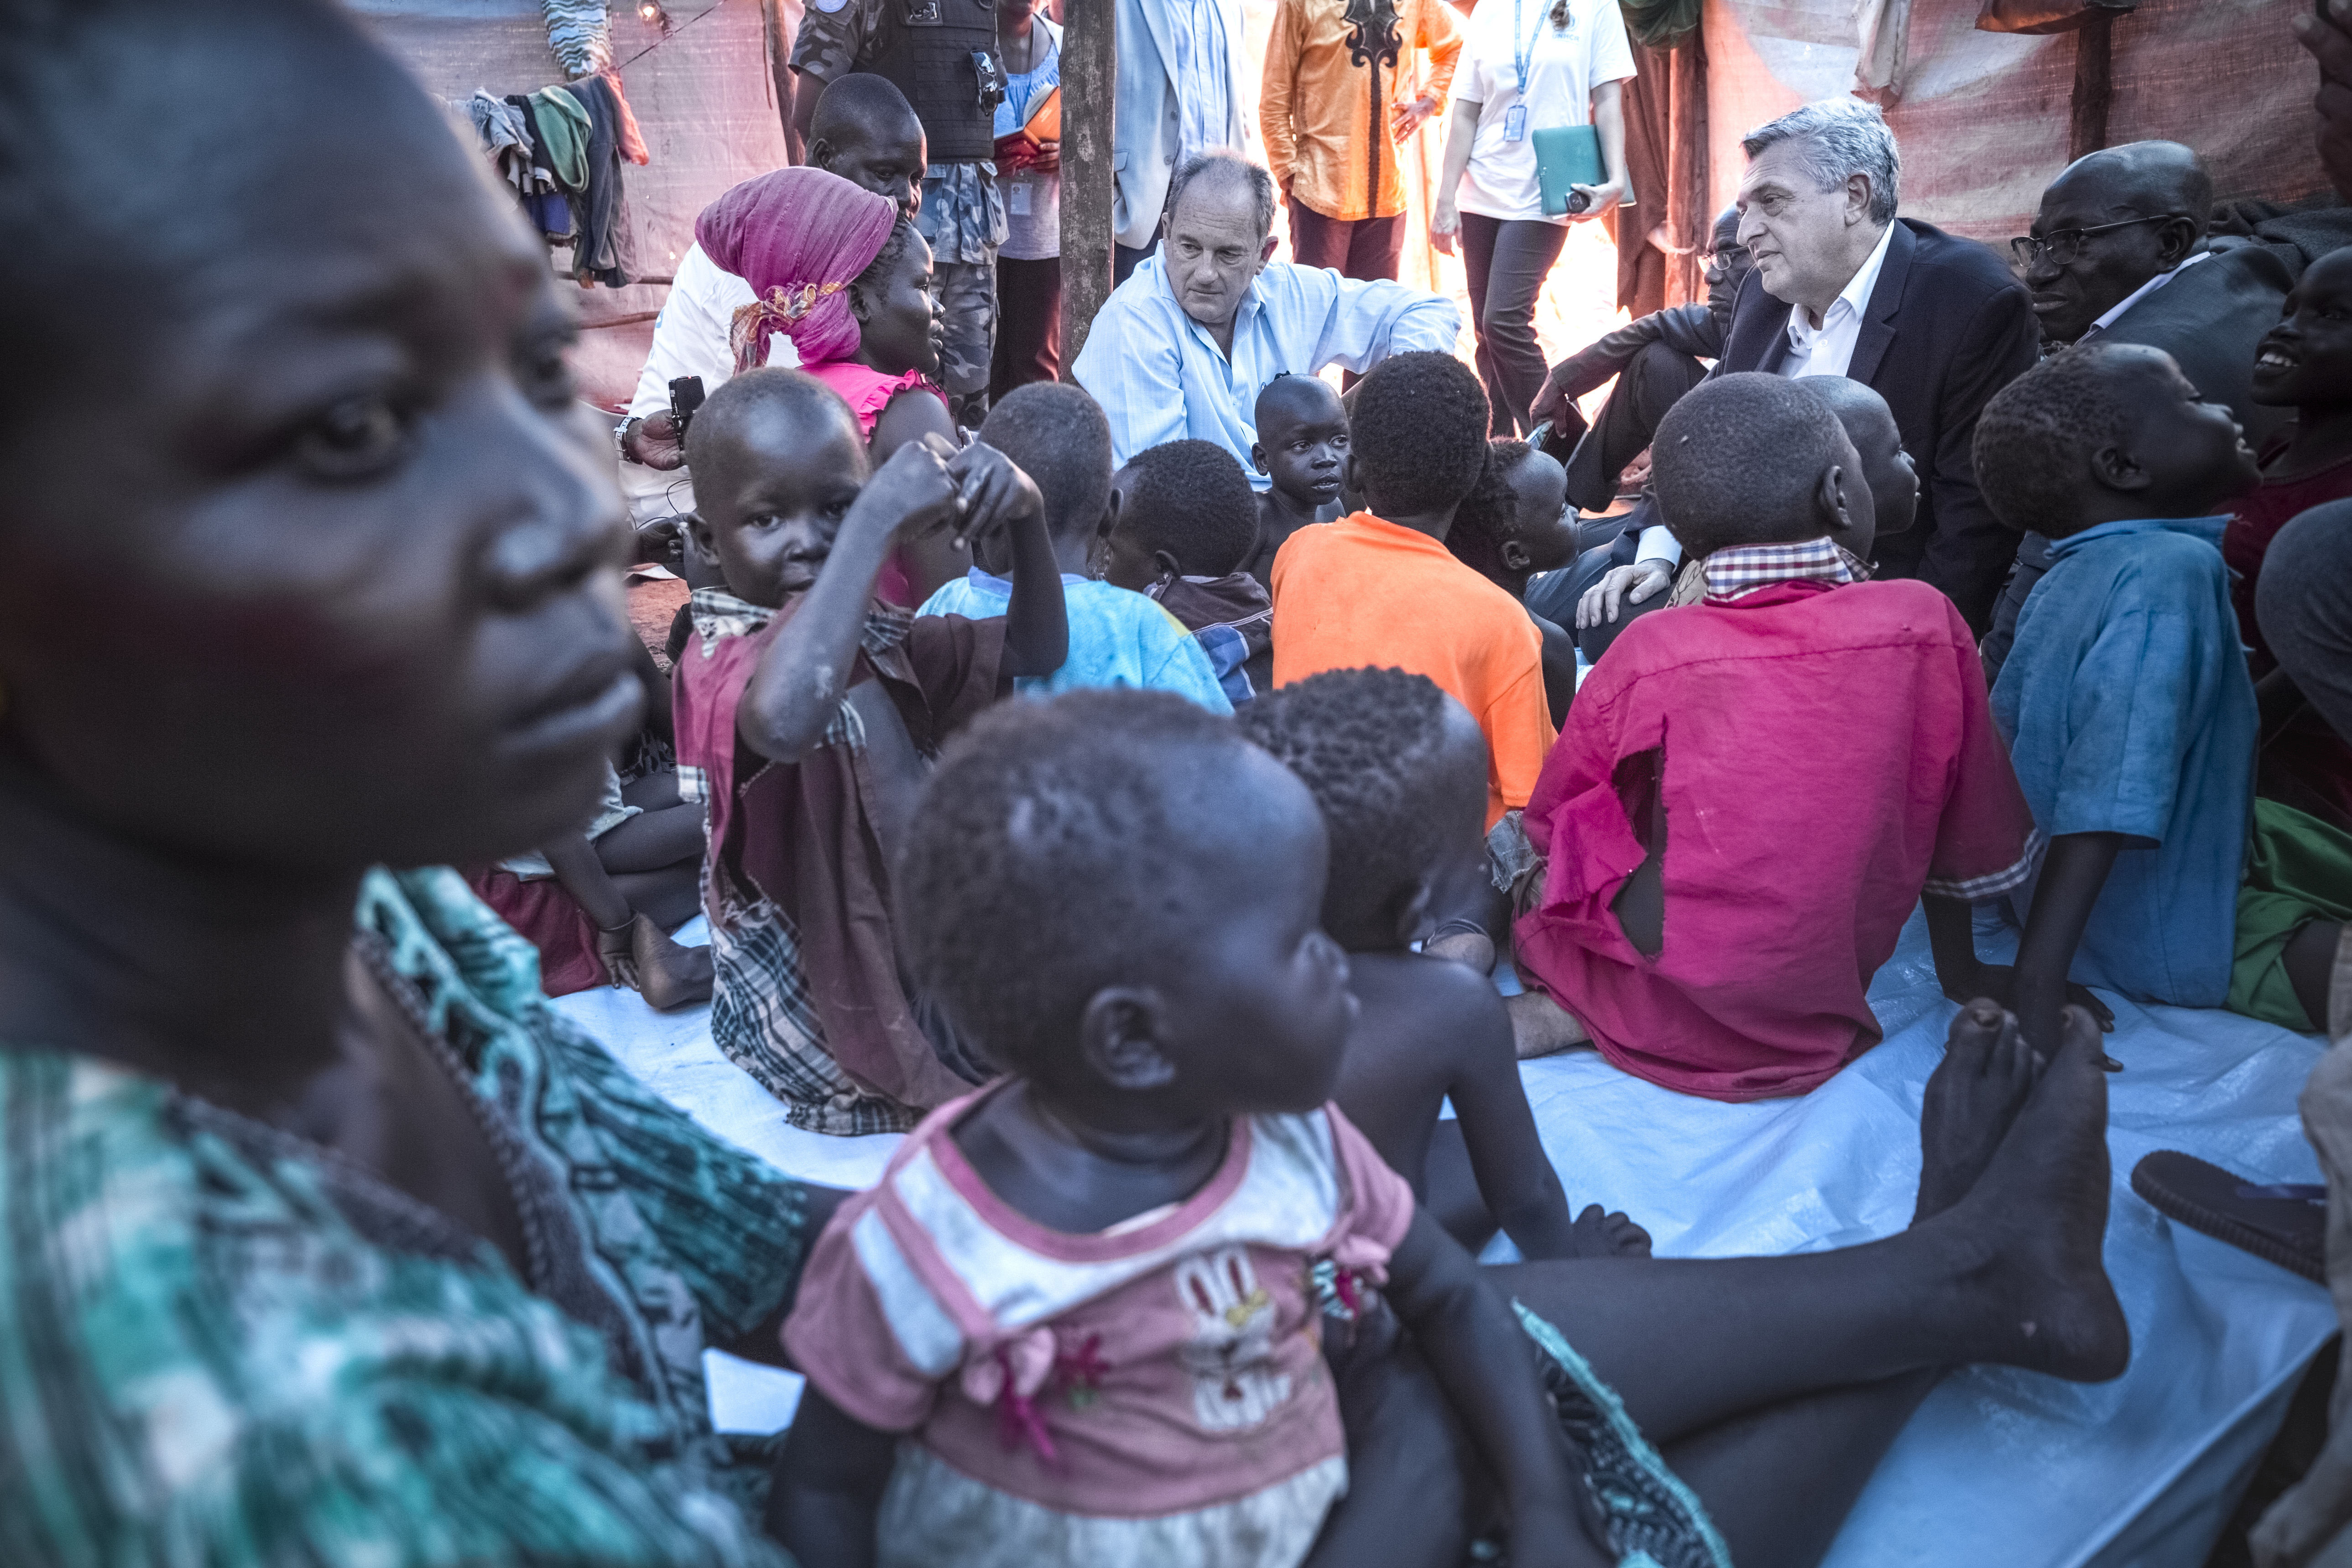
(702, 95)
(1982, 117)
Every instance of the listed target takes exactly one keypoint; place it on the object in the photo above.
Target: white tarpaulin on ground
(1998, 1467)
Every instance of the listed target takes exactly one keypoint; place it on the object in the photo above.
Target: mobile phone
(685, 397)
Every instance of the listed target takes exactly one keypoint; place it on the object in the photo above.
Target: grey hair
(1840, 137)
(1229, 165)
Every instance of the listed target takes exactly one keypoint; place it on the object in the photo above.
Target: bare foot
(1607, 1233)
(1540, 1026)
(2032, 1288)
(669, 976)
(1974, 1094)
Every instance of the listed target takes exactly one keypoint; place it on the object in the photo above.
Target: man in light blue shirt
(1184, 346)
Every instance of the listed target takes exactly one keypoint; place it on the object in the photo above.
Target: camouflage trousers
(963, 219)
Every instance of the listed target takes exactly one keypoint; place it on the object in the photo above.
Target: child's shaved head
(1293, 396)
(715, 437)
(1399, 771)
(1064, 847)
(1059, 436)
(1190, 500)
(1740, 459)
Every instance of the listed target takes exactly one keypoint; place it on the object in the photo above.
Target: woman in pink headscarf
(842, 273)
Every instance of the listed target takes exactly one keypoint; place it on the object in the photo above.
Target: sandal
(2285, 1223)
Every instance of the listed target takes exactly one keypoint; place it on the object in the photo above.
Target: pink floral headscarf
(799, 237)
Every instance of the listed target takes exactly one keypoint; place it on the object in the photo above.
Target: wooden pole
(2094, 84)
(1090, 69)
(780, 72)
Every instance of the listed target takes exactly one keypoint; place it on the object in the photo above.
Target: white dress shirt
(2114, 313)
(690, 338)
(1160, 376)
(1825, 350)
(1197, 33)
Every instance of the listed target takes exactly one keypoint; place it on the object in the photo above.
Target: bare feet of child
(669, 976)
(1601, 1233)
(2031, 1288)
(1540, 1026)
(1972, 1097)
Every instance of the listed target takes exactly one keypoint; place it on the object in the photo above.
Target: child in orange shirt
(1378, 587)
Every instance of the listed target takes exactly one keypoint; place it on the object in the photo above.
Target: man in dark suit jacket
(2118, 255)
(1943, 327)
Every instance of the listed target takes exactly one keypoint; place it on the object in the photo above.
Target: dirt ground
(653, 603)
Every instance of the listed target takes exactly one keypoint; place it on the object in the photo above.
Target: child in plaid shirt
(807, 711)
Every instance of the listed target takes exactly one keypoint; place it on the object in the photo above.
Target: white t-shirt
(690, 338)
(1563, 67)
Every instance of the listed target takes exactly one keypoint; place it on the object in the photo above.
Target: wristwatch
(621, 438)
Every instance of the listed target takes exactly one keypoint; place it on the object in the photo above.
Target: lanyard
(1521, 56)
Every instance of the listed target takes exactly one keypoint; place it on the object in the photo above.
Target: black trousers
(1369, 248)
(1028, 323)
(1507, 263)
(1650, 383)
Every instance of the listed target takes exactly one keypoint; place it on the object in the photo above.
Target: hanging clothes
(598, 254)
(564, 130)
(547, 206)
(504, 134)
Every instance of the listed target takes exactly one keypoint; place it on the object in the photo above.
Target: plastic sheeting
(1998, 1466)
(1983, 117)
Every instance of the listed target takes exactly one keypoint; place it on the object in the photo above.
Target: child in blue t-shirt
(1057, 434)
(2129, 714)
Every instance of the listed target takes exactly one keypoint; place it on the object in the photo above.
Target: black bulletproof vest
(925, 47)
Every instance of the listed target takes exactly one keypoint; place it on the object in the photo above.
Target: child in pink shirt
(1753, 792)
(1089, 1297)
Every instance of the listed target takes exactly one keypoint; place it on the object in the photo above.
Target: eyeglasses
(1720, 263)
(2066, 245)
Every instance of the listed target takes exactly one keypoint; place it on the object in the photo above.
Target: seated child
(1888, 472)
(1187, 522)
(1078, 1321)
(1515, 524)
(807, 711)
(598, 903)
(1379, 586)
(1302, 449)
(1399, 771)
(2305, 363)
(2129, 714)
(1057, 434)
(1753, 792)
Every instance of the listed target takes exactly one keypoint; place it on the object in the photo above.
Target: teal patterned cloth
(209, 1355)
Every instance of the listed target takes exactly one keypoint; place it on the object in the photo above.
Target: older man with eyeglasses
(1843, 286)
(2118, 253)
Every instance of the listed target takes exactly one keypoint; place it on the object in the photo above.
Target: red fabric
(1826, 750)
(798, 835)
(547, 918)
(799, 237)
(632, 139)
(2248, 538)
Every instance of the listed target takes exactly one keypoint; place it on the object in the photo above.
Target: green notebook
(1566, 155)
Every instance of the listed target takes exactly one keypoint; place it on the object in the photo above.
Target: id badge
(1016, 199)
(1515, 123)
